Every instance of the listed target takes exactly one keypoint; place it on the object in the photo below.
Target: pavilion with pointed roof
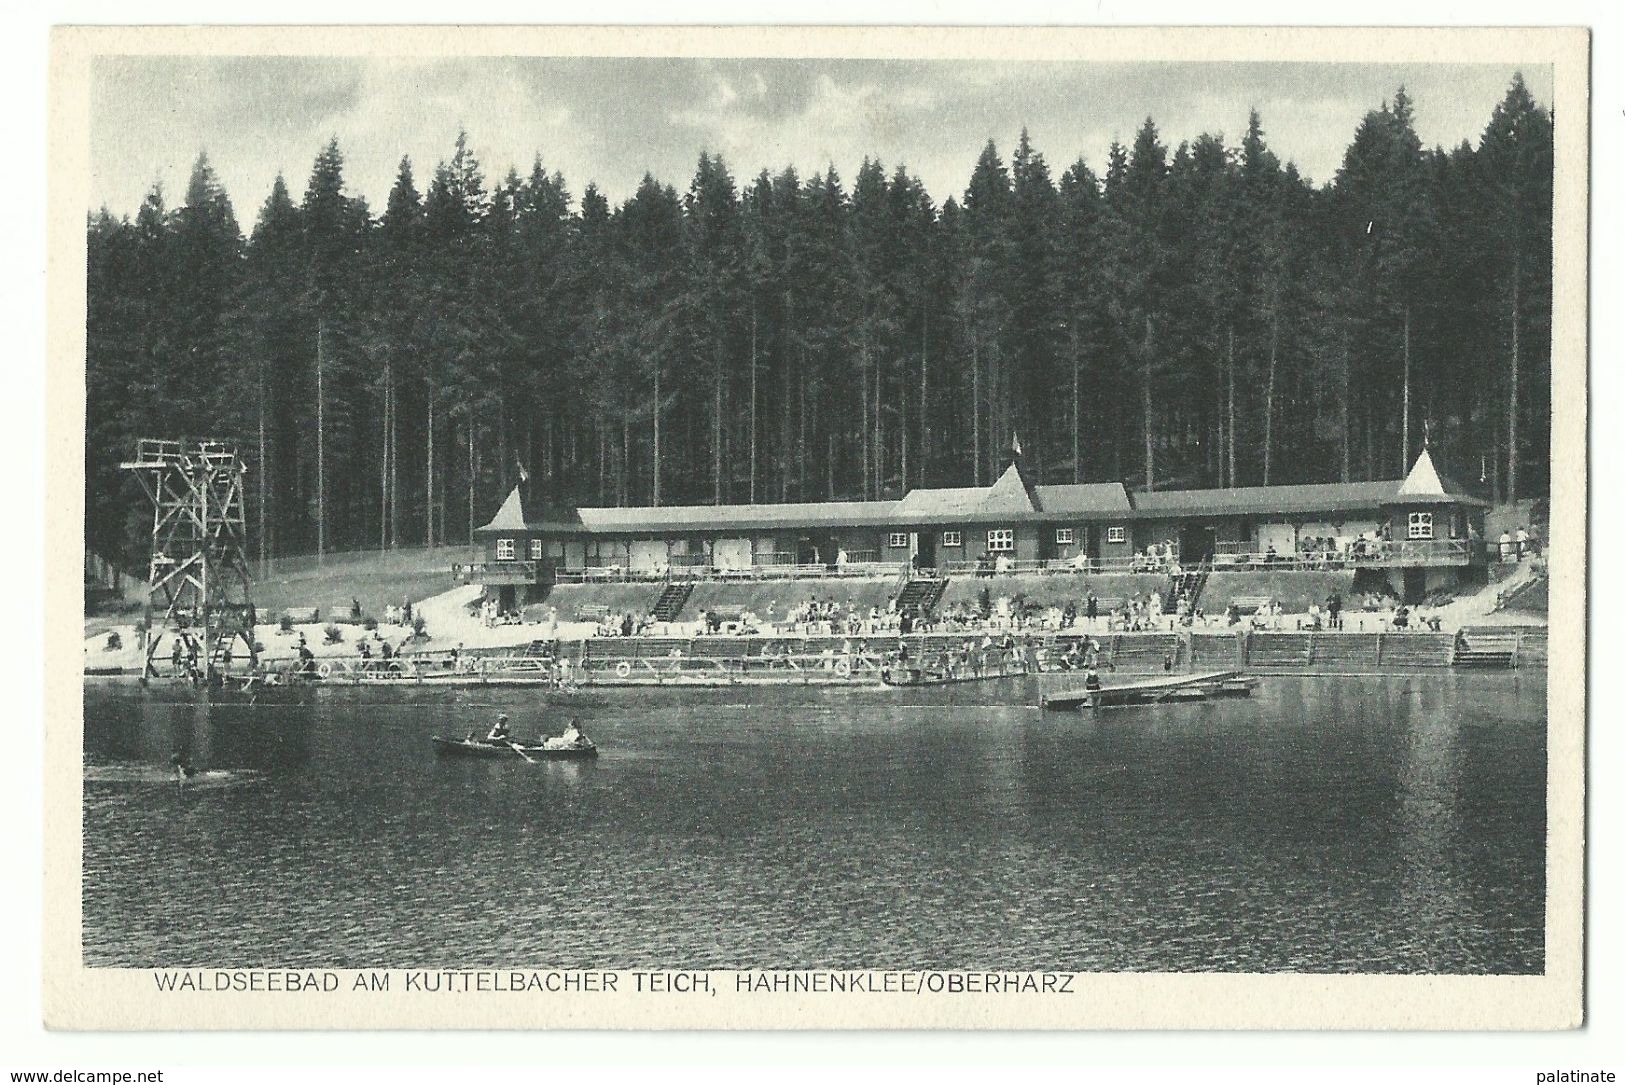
(1423, 521)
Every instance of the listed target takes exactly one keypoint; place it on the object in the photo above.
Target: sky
(612, 120)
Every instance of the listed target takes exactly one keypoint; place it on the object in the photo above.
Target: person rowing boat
(572, 743)
(501, 736)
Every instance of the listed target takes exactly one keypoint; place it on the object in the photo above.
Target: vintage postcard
(817, 528)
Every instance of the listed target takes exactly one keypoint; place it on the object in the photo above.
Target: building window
(1063, 536)
(504, 549)
(1116, 534)
(952, 538)
(897, 540)
(1421, 525)
(555, 549)
(1001, 540)
(535, 549)
(606, 552)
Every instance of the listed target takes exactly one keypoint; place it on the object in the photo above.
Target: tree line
(1201, 316)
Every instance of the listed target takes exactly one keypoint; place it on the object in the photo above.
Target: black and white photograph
(967, 531)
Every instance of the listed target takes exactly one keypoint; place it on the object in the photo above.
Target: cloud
(609, 120)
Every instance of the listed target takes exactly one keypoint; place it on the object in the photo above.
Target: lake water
(1389, 824)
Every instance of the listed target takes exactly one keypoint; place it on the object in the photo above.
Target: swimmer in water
(184, 770)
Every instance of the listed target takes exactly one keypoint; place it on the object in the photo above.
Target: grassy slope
(785, 594)
(377, 579)
(1531, 598)
(619, 598)
(1056, 590)
(1295, 589)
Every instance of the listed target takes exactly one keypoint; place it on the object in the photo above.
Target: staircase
(1144, 653)
(1487, 648)
(1348, 652)
(1506, 597)
(1186, 588)
(673, 598)
(1215, 651)
(920, 596)
(1417, 649)
(1278, 650)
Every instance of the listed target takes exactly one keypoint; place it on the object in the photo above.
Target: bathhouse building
(1424, 527)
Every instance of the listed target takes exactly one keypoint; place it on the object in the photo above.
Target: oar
(515, 746)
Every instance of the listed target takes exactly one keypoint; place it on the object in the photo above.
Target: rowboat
(547, 750)
(1185, 687)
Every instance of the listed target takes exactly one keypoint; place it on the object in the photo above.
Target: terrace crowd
(1148, 612)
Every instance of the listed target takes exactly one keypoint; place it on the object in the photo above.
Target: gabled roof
(1010, 498)
(1423, 479)
(949, 501)
(1263, 500)
(810, 514)
(1009, 493)
(1083, 497)
(1425, 482)
(511, 516)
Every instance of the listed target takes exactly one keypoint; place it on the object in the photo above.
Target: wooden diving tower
(198, 575)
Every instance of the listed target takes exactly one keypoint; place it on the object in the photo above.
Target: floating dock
(1154, 691)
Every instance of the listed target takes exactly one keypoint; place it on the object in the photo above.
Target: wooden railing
(615, 574)
(1013, 566)
(495, 572)
(867, 563)
(1368, 554)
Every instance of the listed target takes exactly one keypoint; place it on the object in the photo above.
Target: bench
(303, 615)
(1250, 604)
(592, 612)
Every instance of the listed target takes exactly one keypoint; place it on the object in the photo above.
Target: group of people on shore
(1519, 545)
(1160, 557)
(995, 655)
(492, 615)
(830, 617)
(624, 624)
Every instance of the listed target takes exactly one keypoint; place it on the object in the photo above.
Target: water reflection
(1391, 824)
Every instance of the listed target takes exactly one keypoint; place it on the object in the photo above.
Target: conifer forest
(1178, 315)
